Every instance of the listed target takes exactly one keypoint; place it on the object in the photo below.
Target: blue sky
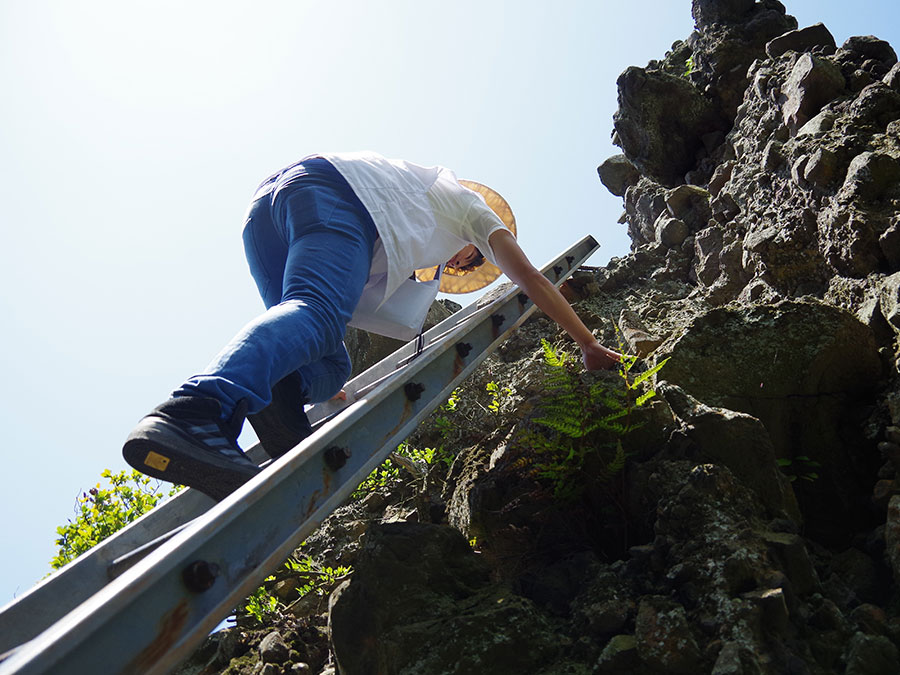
(133, 133)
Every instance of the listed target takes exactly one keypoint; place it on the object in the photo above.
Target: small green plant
(498, 395)
(800, 467)
(689, 66)
(384, 475)
(450, 405)
(318, 578)
(388, 473)
(262, 605)
(459, 422)
(103, 511)
(441, 421)
(311, 577)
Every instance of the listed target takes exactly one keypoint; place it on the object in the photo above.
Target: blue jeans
(308, 240)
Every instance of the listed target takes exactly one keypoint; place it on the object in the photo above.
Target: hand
(597, 357)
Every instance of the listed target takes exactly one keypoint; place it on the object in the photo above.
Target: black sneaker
(185, 441)
(282, 424)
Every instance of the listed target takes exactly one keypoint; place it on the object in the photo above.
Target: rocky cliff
(741, 520)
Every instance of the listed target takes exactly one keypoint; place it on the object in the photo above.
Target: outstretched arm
(512, 260)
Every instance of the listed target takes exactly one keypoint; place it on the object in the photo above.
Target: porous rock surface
(754, 526)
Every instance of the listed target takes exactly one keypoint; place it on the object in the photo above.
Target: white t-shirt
(422, 214)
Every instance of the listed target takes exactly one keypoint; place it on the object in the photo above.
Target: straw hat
(466, 281)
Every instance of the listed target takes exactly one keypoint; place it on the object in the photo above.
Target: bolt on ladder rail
(144, 599)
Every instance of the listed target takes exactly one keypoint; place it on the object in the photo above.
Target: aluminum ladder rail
(152, 616)
(52, 598)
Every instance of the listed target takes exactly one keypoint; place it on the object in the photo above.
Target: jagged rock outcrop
(418, 596)
(738, 441)
(744, 520)
(659, 144)
(789, 365)
(673, 116)
(618, 174)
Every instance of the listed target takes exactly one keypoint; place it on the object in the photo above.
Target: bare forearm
(548, 298)
(545, 295)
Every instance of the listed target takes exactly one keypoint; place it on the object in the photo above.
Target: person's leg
(266, 254)
(329, 246)
(283, 423)
(265, 248)
(324, 378)
(328, 258)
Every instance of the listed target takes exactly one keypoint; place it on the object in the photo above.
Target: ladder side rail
(557, 270)
(391, 364)
(146, 622)
(30, 613)
(40, 606)
(303, 454)
(26, 616)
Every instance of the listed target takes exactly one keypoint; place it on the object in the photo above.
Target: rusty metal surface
(148, 619)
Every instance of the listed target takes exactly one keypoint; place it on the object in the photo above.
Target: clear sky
(133, 133)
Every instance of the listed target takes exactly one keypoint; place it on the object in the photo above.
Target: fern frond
(627, 363)
(552, 357)
(562, 426)
(617, 463)
(615, 415)
(617, 428)
(522, 462)
(649, 373)
(613, 402)
(643, 398)
(592, 427)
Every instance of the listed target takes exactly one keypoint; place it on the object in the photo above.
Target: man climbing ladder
(324, 238)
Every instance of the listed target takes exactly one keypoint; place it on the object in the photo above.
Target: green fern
(643, 398)
(647, 374)
(617, 463)
(566, 410)
(552, 357)
(584, 421)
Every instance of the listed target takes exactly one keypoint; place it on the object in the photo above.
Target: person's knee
(342, 367)
(319, 319)
(326, 378)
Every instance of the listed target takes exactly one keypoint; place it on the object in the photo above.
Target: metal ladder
(142, 600)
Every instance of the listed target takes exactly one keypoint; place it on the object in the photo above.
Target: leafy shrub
(441, 421)
(103, 511)
(261, 605)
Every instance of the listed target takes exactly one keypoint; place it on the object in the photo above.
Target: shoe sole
(159, 449)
